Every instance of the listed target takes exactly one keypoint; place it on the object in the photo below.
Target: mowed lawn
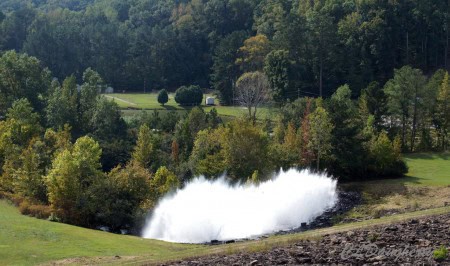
(149, 101)
(431, 169)
(26, 241)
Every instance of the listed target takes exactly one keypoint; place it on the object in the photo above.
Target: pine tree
(143, 151)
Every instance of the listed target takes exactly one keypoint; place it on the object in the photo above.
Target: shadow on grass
(428, 156)
(169, 108)
(376, 189)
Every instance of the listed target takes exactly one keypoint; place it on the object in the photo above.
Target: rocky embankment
(409, 243)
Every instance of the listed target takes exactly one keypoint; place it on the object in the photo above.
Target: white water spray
(214, 210)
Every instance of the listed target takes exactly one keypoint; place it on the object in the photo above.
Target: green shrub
(189, 96)
(440, 253)
(163, 97)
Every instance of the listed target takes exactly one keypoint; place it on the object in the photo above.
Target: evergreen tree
(144, 150)
(163, 97)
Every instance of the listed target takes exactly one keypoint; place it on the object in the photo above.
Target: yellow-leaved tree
(73, 173)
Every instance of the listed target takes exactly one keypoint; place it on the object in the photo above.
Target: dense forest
(67, 152)
(310, 47)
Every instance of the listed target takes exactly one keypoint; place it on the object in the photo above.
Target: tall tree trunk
(414, 126)
(403, 131)
(321, 75)
(446, 46)
(145, 85)
(426, 54)
(407, 47)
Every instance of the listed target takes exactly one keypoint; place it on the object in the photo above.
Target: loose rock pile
(411, 243)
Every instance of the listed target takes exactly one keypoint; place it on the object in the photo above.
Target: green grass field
(29, 241)
(432, 169)
(149, 102)
(25, 240)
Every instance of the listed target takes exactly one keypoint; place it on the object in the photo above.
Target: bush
(35, 210)
(385, 157)
(163, 97)
(440, 253)
(189, 96)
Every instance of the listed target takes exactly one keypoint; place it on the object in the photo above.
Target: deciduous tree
(252, 91)
(321, 129)
(73, 173)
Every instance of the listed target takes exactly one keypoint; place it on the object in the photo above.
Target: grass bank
(29, 241)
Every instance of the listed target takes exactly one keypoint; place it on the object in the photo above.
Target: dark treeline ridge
(318, 45)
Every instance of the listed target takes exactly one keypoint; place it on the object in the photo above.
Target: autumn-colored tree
(253, 53)
(57, 141)
(144, 149)
(175, 151)
(73, 173)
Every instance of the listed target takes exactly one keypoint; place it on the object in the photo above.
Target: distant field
(149, 102)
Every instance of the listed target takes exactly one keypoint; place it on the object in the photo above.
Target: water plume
(215, 210)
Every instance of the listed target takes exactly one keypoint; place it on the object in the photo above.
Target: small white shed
(109, 90)
(209, 101)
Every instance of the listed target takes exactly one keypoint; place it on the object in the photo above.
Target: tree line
(305, 47)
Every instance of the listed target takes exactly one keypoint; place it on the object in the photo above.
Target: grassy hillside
(429, 169)
(26, 241)
(149, 102)
(29, 241)
(427, 185)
